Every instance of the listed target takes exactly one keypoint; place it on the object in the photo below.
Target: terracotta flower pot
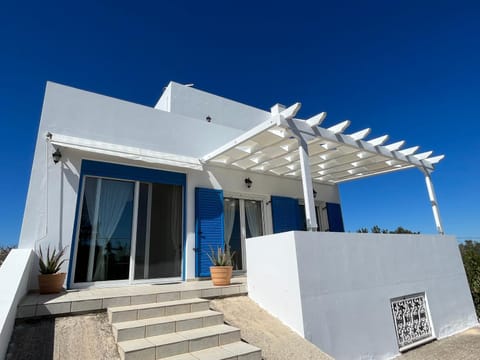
(221, 275)
(51, 283)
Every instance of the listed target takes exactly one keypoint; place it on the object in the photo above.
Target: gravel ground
(261, 329)
(85, 337)
(464, 346)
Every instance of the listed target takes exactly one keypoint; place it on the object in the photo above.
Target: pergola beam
(433, 202)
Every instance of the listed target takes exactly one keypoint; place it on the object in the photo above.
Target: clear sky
(410, 69)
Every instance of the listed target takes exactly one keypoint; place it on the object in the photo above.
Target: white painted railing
(14, 276)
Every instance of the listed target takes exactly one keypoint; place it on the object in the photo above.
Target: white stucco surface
(14, 276)
(198, 104)
(345, 283)
(277, 290)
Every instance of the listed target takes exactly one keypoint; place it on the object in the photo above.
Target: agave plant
(53, 261)
(222, 257)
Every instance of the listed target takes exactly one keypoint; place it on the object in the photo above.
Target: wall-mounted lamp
(248, 182)
(57, 155)
(208, 118)
(314, 194)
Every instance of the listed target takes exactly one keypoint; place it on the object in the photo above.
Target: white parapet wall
(14, 276)
(335, 289)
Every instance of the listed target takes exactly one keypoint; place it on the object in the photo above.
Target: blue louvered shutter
(208, 227)
(335, 220)
(285, 214)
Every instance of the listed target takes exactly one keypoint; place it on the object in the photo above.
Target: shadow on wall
(32, 340)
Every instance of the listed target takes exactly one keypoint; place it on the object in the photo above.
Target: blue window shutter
(208, 227)
(285, 214)
(335, 220)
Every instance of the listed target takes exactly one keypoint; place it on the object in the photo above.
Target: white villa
(141, 194)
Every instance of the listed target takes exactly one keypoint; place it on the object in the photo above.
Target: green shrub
(470, 251)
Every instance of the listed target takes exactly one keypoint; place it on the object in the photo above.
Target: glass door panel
(253, 218)
(243, 219)
(105, 230)
(233, 239)
(158, 252)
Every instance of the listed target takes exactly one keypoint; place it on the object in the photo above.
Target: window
(243, 219)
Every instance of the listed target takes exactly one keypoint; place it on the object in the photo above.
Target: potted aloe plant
(221, 269)
(50, 280)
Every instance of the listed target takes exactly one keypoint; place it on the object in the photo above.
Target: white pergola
(301, 149)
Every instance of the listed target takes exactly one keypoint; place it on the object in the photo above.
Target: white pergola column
(310, 215)
(433, 201)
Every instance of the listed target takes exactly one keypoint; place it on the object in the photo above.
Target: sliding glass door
(129, 230)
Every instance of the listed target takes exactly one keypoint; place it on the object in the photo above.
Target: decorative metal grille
(411, 319)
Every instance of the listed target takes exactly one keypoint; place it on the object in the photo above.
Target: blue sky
(410, 69)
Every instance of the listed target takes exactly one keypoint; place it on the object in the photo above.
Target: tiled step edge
(145, 311)
(32, 307)
(164, 346)
(235, 351)
(137, 329)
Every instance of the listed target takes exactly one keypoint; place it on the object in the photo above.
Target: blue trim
(104, 169)
(75, 224)
(132, 173)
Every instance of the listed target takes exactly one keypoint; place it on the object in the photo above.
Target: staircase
(177, 330)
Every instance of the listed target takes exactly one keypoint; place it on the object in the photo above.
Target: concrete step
(234, 351)
(153, 310)
(182, 342)
(137, 329)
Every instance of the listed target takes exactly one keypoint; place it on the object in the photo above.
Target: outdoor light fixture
(57, 155)
(208, 118)
(314, 194)
(248, 182)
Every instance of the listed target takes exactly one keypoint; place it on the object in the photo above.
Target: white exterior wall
(197, 104)
(52, 196)
(14, 276)
(346, 281)
(277, 289)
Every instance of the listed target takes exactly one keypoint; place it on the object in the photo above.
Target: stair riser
(166, 328)
(182, 347)
(139, 314)
(233, 351)
(256, 355)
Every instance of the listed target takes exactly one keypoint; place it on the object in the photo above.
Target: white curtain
(115, 196)
(91, 185)
(253, 213)
(230, 206)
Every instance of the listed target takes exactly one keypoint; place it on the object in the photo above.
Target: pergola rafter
(302, 149)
